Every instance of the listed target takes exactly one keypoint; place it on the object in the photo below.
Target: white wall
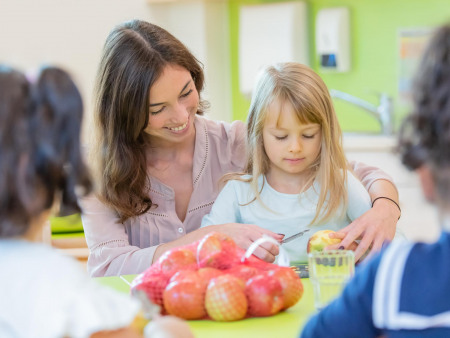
(202, 25)
(71, 34)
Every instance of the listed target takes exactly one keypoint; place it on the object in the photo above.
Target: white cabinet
(202, 25)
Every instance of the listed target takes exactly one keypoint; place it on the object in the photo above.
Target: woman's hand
(245, 234)
(373, 228)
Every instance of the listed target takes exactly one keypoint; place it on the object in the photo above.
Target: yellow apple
(320, 240)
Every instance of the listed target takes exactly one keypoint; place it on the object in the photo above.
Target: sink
(369, 142)
(379, 151)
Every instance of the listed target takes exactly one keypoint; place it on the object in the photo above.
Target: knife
(286, 240)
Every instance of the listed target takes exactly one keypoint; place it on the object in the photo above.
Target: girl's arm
(379, 223)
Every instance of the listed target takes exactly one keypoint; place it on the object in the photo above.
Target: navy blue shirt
(402, 292)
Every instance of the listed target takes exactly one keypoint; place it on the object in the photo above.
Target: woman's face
(173, 104)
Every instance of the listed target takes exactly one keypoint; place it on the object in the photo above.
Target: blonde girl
(296, 176)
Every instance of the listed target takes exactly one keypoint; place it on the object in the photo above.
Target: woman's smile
(180, 129)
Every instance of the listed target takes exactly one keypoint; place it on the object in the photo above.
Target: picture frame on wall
(411, 45)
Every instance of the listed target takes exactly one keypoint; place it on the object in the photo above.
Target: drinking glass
(329, 271)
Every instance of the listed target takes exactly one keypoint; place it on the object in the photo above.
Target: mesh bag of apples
(209, 279)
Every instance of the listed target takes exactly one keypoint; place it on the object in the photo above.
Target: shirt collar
(201, 151)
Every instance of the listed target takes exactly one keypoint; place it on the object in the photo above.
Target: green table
(286, 324)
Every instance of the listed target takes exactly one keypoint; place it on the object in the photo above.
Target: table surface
(285, 324)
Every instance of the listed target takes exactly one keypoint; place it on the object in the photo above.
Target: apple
(320, 240)
(153, 284)
(184, 275)
(184, 297)
(225, 298)
(206, 274)
(264, 295)
(291, 285)
(177, 259)
(243, 271)
(216, 250)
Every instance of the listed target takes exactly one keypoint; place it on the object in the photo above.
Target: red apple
(243, 271)
(320, 240)
(184, 297)
(206, 274)
(216, 250)
(153, 284)
(190, 275)
(225, 298)
(264, 295)
(177, 259)
(290, 283)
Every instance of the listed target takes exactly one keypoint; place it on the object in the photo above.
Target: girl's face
(290, 146)
(173, 104)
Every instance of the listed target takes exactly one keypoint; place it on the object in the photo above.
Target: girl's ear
(427, 182)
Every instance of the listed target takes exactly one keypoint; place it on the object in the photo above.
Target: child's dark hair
(40, 156)
(425, 134)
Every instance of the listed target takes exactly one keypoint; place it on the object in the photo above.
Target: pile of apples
(209, 279)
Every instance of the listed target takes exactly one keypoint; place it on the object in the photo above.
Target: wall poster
(412, 43)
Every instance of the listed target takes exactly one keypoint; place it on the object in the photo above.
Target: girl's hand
(245, 234)
(373, 228)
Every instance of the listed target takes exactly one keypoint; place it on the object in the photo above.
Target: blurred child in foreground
(45, 294)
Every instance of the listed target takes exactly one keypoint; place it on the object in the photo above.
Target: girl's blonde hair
(301, 87)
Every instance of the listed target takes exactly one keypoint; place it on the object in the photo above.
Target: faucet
(383, 112)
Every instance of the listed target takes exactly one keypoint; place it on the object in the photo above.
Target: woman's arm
(224, 217)
(378, 224)
(111, 253)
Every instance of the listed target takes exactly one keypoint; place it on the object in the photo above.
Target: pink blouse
(128, 248)
(117, 249)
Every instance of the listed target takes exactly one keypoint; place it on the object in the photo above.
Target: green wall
(374, 52)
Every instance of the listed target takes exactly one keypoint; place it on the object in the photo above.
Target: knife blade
(286, 240)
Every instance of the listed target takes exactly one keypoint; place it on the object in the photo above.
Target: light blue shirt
(288, 214)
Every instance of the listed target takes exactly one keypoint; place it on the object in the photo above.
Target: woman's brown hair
(134, 57)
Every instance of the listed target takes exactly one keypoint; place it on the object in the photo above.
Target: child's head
(287, 88)
(425, 134)
(40, 159)
(291, 106)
